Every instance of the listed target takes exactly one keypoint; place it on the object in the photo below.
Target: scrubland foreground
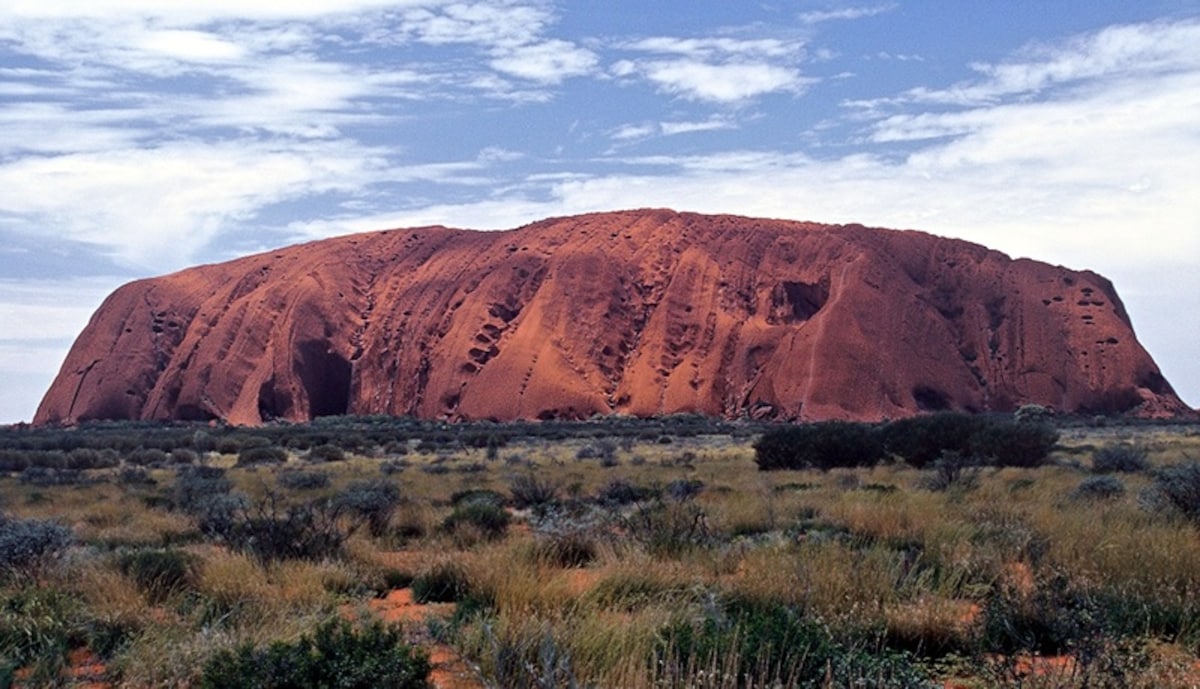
(389, 553)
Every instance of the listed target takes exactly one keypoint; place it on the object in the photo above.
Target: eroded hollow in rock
(325, 375)
(796, 302)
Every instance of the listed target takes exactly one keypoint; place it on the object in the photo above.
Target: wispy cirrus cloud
(1116, 52)
(844, 14)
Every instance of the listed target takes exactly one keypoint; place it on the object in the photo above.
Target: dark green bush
(147, 456)
(619, 491)
(159, 573)
(825, 445)
(1000, 441)
(1120, 457)
(1009, 443)
(270, 454)
(182, 455)
(337, 656)
(135, 476)
(491, 519)
(921, 440)
(326, 453)
(302, 480)
(50, 476)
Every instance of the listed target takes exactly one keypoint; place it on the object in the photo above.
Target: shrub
(446, 582)
(269, 454)
(1032, 413)
(196, 484)
(298, 532)
(393, 466)
(182, 455)
(373, 502)
(147, 456)
(88, 458)
(217, 513)
(302, 480)
(952, 470)
(668, 528)
(824, 446)
(26, 544)
(1120, 457)
(1099, 488)
(604, 450)
(527, 490)
(336, 656)
(160, 573)
(48, 476)
(1179, 486)
(491, 519)
(326, 453)
(921, 440)
(1014, 444)
(684, 489)
(135, 476)
(619, 491)
(477, 495)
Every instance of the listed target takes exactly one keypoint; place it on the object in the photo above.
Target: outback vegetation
(944, 550)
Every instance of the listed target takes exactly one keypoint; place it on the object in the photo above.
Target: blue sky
(138, 137)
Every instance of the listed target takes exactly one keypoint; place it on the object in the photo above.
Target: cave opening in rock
(325, 375)
(798, 301)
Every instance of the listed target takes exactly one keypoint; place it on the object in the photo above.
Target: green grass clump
(336, 656)
(754, 644)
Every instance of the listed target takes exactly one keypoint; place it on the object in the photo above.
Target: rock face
(642, 312)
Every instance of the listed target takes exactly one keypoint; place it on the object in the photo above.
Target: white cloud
(498, 24)
(158, 207)
(723, 83)
(549, 62)
(849, 13)
(715, 69)
(645, 130)
(190, 46)
(713, 47)
(1127, 51)
(686, 127)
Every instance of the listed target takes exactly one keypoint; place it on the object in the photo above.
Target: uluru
(642, 312)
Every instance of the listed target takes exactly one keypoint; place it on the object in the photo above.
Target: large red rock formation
(642, 312)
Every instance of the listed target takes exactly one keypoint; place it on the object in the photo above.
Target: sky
(139, 137)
